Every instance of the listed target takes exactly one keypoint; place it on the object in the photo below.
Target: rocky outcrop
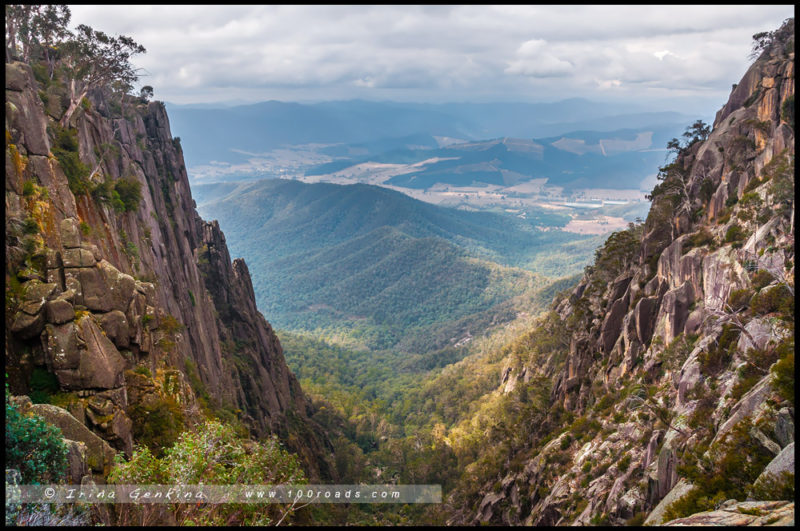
(102, 290)
(769, 513)
(668, 331)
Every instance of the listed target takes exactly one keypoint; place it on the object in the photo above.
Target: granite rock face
(103, 292)
(768, 513)
(652, 338)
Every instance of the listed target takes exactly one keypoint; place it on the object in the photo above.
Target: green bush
(774, 299)
(739, 298)
(214, 455)
(701, 238)
(157, 424)
(787, 111)
(706, 190)
(34, 447)
(732, 465)
(144, 370)
(129, 193)
(65, 149)
(774, 487)
(624, 463)
(761, 279)
(734, 234)
(783, 373)
(28, 188)
(715, 358)
(637, 520)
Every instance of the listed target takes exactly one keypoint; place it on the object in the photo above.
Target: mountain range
(375, 260)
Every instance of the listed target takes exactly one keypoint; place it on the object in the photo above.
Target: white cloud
(533, 59)
(437, 53)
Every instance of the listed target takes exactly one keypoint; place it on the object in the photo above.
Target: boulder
(767, 443)
(652, 447)
(772, 513)
(619, 286)
(783, 462)
(100, 365)
(115, 325)
(689, 376)
(19, 76)
(99, 455)
(120, 286)
(147, 289)
(761, 333)
(695, 321)
(674, 311)
(656, 516)
(27, 326)
(77, 465)
(78, 258)
(60, 344)
(70, 233)
(746, 406)
(784, 427)
(59, 311)
(35, 295)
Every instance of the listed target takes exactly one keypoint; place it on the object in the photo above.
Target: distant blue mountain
(213, 134)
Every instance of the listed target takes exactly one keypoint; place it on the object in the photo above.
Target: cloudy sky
(671, 56)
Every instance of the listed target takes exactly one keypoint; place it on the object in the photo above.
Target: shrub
(706, 190)
(65, 149)
(734, 234)
(774, 299)
(624, 463)
(754, 183)
(761, 279)
(129, 192)
(158, 423)
(774, 487)
(637, 520)
(701, 238)
(30, 226)
(787, 111)
(738, 299)
(28, 188)
(718, 356)
(102, 191)
(144, 370)
(783, 372)
(214, 455)
(733, 463)
(170, 324)
(33, 447)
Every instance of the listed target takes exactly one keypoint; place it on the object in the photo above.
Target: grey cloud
(290, 52)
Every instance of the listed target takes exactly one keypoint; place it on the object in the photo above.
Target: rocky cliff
(675, 380)
(118, 296)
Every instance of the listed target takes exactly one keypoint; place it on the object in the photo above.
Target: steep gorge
(130, 304)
